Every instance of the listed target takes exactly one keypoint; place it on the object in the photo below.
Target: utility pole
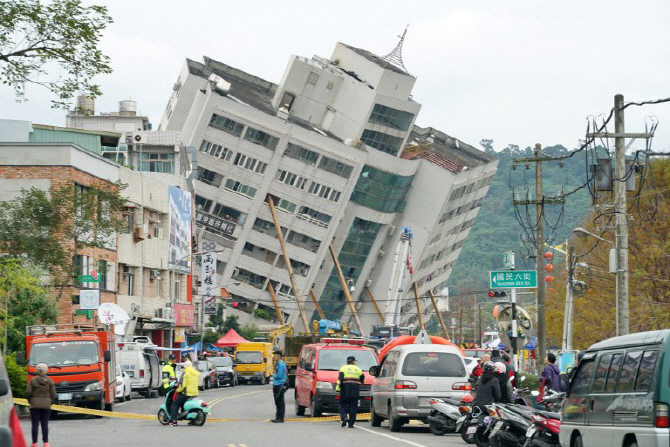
(540, 202)
(541, 286)
(460, 325)
(621, 222)
(621, 217)
(418, 306)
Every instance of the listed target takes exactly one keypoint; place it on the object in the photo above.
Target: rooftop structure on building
(334, 146)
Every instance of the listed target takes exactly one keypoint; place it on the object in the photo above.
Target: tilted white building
(336, 147)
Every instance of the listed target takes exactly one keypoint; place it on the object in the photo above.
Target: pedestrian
(503, 380)
(41, 392)
(551, 373)
(477, 371)
(488, 388)
(188, 388)
(169, 375)
(279, 386)
(349, 383)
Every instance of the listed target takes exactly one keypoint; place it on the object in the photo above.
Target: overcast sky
(516, 72)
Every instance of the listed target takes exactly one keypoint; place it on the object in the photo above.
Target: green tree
(217, 321)
(249, 331)
(231, 323)
(47, 229)
(52, 44)
(24, 303)
(211, 337)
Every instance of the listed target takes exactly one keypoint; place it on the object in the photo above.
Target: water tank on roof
(85, 105)
(127, 108)
(220, 85)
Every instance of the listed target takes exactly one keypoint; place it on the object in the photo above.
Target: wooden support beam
(316, 304)
(345, 287)
(418, 305)
(287, 261)
(280, 314)
(374, 303)
(437, 313)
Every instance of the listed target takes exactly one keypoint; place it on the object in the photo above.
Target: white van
(409, 376)
(142, 366)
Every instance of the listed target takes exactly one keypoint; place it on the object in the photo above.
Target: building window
(250, 163)
(209, 177)
(259, 137)
(286, 102)
(325, 192)
(202, 204)
(226, 124)
(330, 86)
(240, 188)
(381, 141)
(291, 179)
(312, 78)
(386, 116)
(284, 204)
(301, 153)
(314, 216)
(336, 167)
(230, 214)
(127, 282)
(381, 190)
(163, 163)
(215, 150)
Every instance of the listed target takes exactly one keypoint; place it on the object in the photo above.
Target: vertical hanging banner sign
(209, 282)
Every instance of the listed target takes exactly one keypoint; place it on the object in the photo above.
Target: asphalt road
(242, 402)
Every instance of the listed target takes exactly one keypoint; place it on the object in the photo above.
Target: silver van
(409, 376)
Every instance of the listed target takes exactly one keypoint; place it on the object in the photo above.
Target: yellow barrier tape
(150, 417)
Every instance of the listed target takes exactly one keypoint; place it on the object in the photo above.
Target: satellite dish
(109, 313)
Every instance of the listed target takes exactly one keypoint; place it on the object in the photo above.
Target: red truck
(81, 362)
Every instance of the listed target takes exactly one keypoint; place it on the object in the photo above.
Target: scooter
(445, 414)
(195, 409)
(546, 424)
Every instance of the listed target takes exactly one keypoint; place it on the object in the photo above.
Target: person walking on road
(279, 386)
(188, 388)
(40, 392)
(551, 373)
(349, 386)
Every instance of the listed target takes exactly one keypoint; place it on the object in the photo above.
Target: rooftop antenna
(395, 56)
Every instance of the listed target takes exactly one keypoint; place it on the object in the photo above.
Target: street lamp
(621, 278)
(202, 315)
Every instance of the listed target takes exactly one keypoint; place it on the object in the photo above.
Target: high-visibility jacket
(349, 381)
(189, 382)
(168, 374)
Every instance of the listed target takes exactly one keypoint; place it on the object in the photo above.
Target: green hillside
(497, 229)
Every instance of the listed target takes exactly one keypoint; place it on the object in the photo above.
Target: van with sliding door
(620, 394)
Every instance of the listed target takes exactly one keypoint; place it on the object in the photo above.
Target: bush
(18, 376)
(263, 314)
(531, 381)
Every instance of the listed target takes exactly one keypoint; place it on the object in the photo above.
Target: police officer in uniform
(349, 385)
(169, 376)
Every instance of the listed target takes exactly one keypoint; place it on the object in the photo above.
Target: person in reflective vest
(169, 375)
(349, 386)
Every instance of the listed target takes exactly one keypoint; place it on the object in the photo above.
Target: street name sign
(514, 279)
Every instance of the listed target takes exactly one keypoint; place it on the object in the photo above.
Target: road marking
(217, 401)
(395, 438)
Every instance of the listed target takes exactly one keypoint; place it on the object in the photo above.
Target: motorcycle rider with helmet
(488, 388)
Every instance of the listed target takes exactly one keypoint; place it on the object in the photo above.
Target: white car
(470, 363)
(123, 385)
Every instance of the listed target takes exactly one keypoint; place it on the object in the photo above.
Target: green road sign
(87, 278)
(518, 279)
(508, 259)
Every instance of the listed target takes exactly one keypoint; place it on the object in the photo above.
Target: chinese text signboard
(183, 315)
(518, 279)
(209, 282)
(214, 222)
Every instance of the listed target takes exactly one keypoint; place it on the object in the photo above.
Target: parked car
(318, 371)
(10, 431)
(620, 394)
(124, 389)
(226, 373)
(209, 376)
(409, 376)
(470, 363)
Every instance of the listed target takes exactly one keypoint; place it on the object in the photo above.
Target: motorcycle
(464, 422)
(195, 409)
(444, 416)
(546, 424)
(515, 422)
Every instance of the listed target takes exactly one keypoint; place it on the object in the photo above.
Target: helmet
(467, 398)
(172, 357)
(500, 367)
(488, 367)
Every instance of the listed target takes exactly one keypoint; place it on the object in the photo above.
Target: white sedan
(123, 386)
